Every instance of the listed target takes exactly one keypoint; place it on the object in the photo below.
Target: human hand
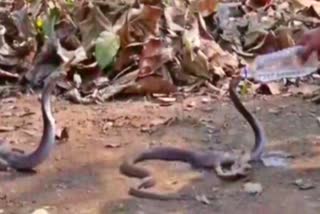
(311, 42)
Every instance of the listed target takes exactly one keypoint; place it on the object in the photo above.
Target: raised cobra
(25, 162)
(216, 160)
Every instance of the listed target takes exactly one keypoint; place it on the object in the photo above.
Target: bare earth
(82, 174)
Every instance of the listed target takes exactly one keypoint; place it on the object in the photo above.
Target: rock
(303, 185)
(40, 211)
(253, 188)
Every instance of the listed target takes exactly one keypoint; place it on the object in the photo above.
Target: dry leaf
(93, 25)
(154, 55)
(255, 4)
(270, 88)
(62, 134)
(66, 55)
(150, 85)
(141, 25)
(205, 7)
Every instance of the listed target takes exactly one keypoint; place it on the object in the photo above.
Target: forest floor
(82, 174)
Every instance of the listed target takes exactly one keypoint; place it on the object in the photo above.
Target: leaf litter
(147, 48)
(144, 47)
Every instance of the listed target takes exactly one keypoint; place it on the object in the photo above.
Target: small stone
(205, 100)
(274, 111)
(203, 199)
(145, 129)
(40, 211)
(303, 185)
(253, 188)
(108, 125)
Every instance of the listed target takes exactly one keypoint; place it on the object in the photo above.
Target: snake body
(198, 159)
(22, 162)
(259, 134)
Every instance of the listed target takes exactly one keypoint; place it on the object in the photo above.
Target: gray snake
(216, 160)
(25, 162)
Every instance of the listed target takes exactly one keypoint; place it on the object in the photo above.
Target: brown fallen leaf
(175, 19)
(140, 24)
(150, 85)
(127, 56)
(270, 88)
(310, 12)
(94, 23)
(284, 37)
(66, 55)
(308, 3)
(264, 43)
(62, 134)
(205, 7)
(154, 55)
(255, 4)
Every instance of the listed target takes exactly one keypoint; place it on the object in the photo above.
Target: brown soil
(82, 174)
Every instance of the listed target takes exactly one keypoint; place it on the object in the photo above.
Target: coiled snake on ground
(216, 160)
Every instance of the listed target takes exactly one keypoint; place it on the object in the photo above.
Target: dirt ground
(82, 175)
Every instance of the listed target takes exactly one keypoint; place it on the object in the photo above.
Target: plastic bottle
(281, 64)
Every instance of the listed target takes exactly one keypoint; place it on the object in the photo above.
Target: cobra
(217, 160)
(25, 162)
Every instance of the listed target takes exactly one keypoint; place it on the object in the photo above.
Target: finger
(303, 40)
(306, 53)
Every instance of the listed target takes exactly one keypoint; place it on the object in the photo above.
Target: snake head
(237, 168)
(56, 75)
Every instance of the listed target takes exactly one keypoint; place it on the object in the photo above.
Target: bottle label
(266, 75)
(281, 64)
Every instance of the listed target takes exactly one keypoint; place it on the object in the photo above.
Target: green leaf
(107, 46)
(48, 26)
(245, 88)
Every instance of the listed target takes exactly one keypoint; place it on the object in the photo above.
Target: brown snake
(216, 160)
(9, 159)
